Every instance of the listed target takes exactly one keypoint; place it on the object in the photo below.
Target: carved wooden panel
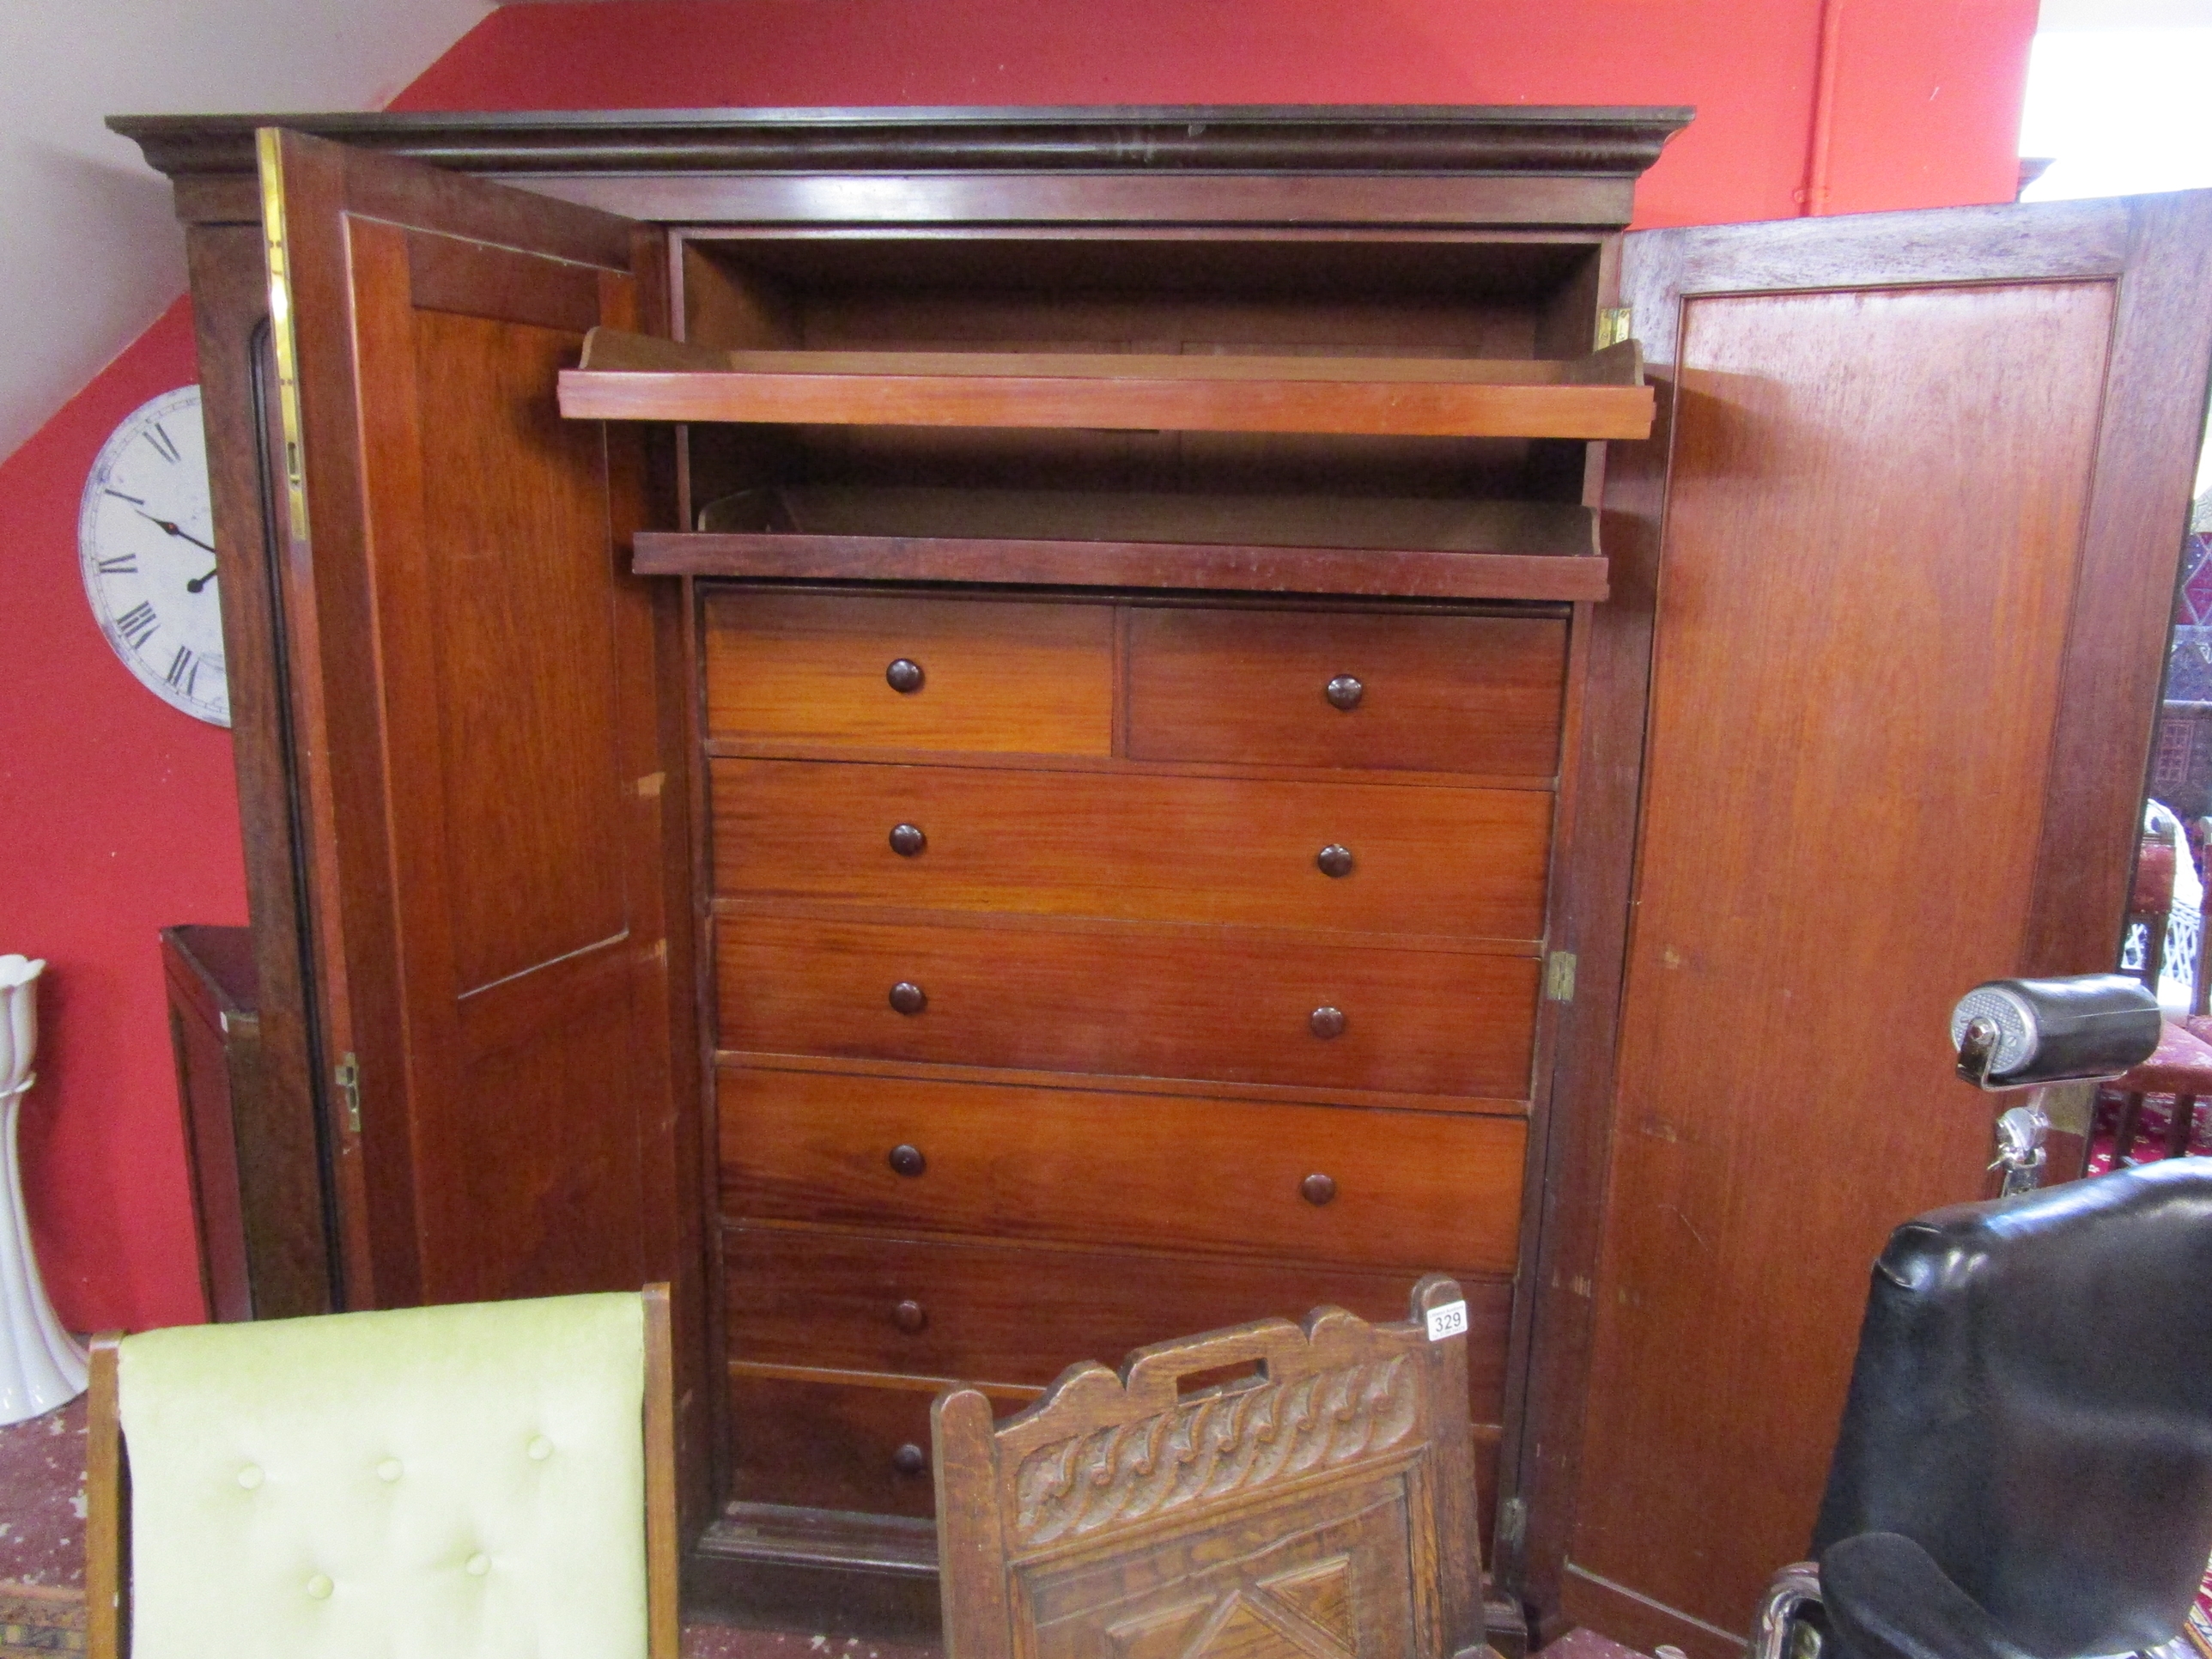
(1268, 1492)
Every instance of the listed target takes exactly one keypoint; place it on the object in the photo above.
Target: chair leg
(1788, 1591)
(2178, 1131)
(2124, 1131)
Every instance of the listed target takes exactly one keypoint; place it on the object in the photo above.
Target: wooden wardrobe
(1040, 745)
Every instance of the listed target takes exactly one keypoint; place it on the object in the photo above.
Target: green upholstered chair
(490, 1480)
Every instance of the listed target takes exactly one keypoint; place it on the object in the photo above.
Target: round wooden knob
(1326, 1022)
(907, 1160)
(909, 1459)
(904, 675)
(907, 840)
(909, 1317)
(1317, 1188)
(908, 998)
(1334, 859)
(1343, 692)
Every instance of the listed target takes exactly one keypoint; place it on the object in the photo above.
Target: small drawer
(1360, 857)
(868, 671)
(1124, 1000)
(1353, 689)
(857, 1445)
(1376, 1189)
(996, 1313)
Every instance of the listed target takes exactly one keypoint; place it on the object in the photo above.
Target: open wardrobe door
(489, 867)
(1870, 715)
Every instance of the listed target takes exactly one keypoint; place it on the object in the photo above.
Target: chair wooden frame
(1134, 1483)
(107, 1497)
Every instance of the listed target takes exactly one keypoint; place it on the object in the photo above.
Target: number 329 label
(1450, 1320)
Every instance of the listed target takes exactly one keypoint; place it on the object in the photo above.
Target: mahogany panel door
(491, 774)
(1892, 583)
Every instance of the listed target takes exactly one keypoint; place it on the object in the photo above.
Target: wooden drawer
(840, 1444)
(1465, 862)
(1123, 1000)
(833, 1445)
(995, 1313)
(810, 670)
(1437, 693)
(1413, 1190)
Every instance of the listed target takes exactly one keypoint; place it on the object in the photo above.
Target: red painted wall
(121, 818)
(123, 813)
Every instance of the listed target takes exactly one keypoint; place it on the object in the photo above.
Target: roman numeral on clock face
(137, 625)
(121, 564)
(184, 669)
(161, 444)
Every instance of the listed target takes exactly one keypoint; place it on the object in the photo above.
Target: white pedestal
(40, 1366)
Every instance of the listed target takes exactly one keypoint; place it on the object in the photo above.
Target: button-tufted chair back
(492, 1479)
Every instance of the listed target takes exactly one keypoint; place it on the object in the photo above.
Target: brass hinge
(349, 1081)
(1614, 325)
(1559, 976)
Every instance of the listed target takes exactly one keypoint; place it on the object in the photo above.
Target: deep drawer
(815, 669)
(993, 1313)
(863, 1443)
(1405, 1191)
(1465, 862)
(1124, 1000)
(1356, 689)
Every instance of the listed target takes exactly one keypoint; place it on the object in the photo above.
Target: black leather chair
(2024, 1466)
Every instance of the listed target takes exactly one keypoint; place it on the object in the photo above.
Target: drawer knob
(1317, 1189)
(908, 998)
(1343, 692)
(907, 1160)
(909, 1317)
(907, 840)
(909, 1459)
(903, 676)
(1334, 859)
(1326, 1022)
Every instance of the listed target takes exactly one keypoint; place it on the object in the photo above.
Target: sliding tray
(1419, 548)
(634, 377)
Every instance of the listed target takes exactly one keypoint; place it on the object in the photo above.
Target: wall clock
(146, 541)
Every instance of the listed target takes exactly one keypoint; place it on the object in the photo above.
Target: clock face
(146, 540)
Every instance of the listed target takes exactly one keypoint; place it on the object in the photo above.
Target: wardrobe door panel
(1902, 621)
(495, 951)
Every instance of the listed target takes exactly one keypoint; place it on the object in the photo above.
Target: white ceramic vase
(40, 1366)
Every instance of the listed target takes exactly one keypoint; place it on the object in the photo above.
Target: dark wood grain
(1478, 694)
(1086, 1167)
(827, 1440)
(1104, 999)
(107, 1512)
(1482, 139)
(281, 1152)
(492, 922)
(1804, 716)
(1060, 1531)
(215, 1036)
(663, 1610)
(1403, 397)
(1015, 677)
(1003, 1314)
(1136, 848)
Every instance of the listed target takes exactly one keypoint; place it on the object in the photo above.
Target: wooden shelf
(1252, 543)
(634, 377)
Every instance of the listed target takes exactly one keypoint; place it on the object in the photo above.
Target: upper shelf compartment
(634, 377)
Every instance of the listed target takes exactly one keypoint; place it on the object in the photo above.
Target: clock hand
(164, 525)
(198, 582)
